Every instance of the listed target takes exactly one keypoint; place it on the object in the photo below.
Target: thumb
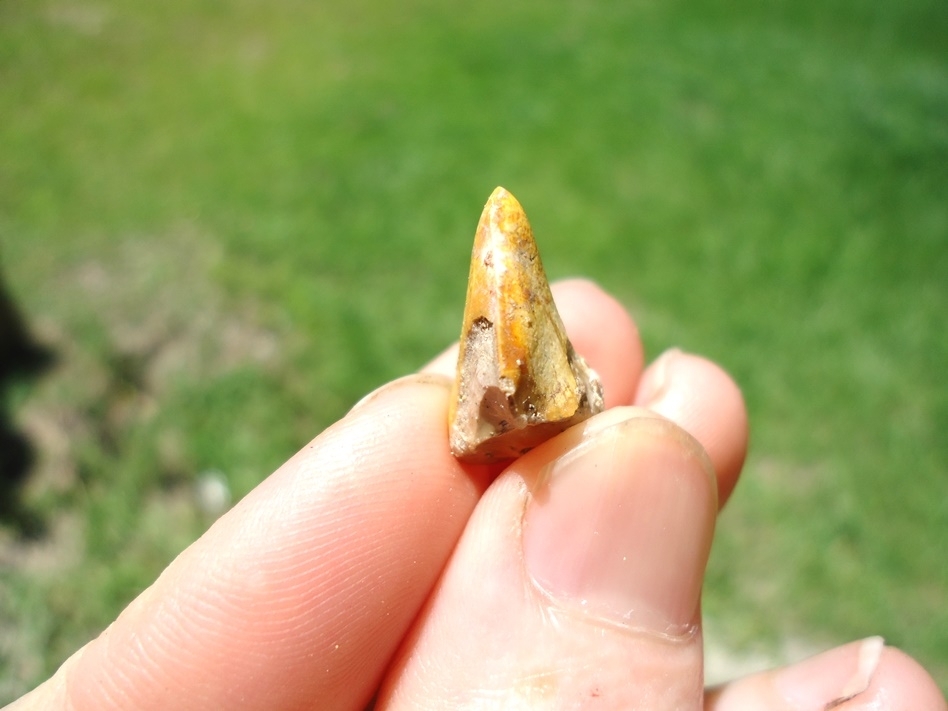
(576, 581)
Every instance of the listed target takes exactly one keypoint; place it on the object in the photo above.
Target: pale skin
(373, 566)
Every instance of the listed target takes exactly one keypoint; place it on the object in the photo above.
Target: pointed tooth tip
(503, 225)
(502, 196)
(503, 205)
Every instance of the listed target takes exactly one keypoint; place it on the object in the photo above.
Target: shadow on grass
(21, 358)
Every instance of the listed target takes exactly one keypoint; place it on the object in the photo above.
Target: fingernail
(619, 527)
(656, 384)
(832, 678)
(405, 381)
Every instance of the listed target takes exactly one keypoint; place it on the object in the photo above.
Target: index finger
(303, 591)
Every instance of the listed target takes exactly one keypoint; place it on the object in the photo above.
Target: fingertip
(859, 675)
(700, 397)
(905, 683)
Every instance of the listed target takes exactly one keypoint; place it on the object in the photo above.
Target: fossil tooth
(519, 381)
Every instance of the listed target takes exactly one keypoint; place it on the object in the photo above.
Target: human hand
(372, 565)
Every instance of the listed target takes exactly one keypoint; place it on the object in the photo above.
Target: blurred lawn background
(231, 221)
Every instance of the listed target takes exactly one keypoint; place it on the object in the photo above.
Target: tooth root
(519, 381)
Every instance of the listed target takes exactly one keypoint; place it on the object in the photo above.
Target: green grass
(233, 221)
